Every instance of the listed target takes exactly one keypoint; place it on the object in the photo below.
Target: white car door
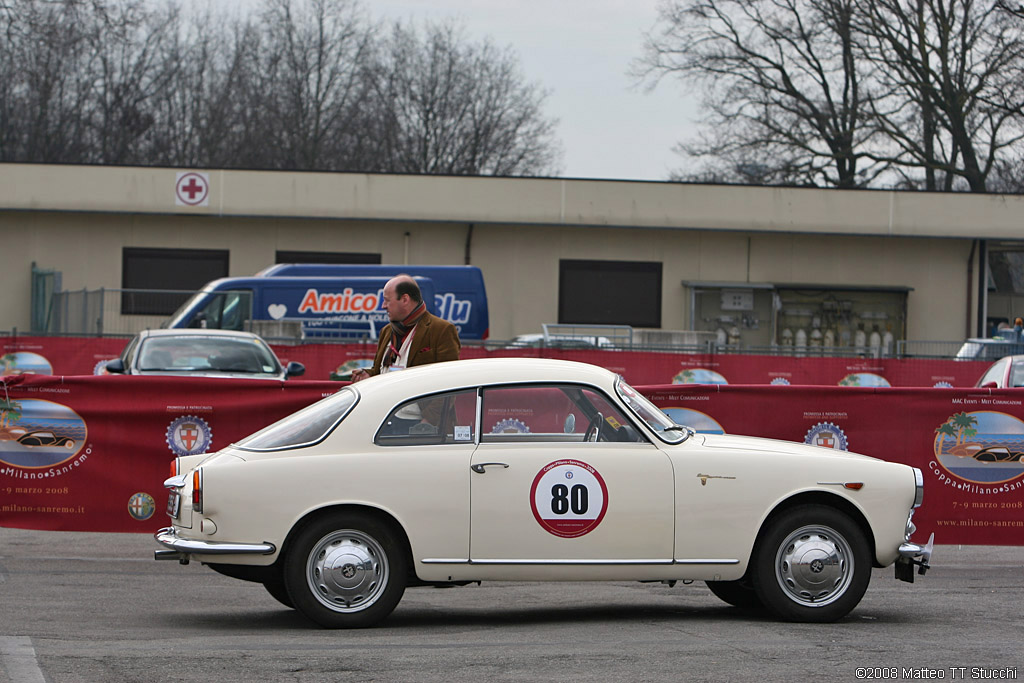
(542, 494)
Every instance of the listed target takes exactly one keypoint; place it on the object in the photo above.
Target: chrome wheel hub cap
(347, 571)
(814, 566)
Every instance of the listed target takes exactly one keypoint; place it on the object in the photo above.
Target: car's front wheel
(813, 564)
(737, 593)
(279, 591)
(346, 570)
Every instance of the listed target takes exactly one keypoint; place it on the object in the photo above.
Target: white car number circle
(569, 498)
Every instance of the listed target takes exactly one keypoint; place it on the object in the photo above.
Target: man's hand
(359, 375)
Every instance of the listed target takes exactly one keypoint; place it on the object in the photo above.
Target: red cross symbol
(827, 440)
(192, 189)
(189, 434)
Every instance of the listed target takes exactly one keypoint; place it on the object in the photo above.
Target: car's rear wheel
(813, 564)
(346, 570)
(739, 593)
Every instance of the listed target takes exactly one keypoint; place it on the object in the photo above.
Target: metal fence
(109, 312)
(125, 312)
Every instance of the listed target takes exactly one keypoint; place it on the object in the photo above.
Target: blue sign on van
(459, 293)
(333, 300)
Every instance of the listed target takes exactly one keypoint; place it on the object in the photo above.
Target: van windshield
(228, 310)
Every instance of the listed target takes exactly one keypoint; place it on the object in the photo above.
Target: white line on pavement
(19, 659)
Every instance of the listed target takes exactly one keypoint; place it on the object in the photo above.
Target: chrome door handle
(481, 467)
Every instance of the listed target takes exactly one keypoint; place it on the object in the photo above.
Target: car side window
(431, 420)
(1017, 375)
(994, 373)
(552, 413)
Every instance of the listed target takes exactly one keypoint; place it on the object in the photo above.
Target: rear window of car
(309, 426)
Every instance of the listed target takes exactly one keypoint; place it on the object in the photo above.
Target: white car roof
(450, 375)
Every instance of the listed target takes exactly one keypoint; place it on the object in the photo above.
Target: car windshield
(196, 353)
(659, 422)
(309, 426)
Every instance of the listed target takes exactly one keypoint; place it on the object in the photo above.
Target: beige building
(759, 262)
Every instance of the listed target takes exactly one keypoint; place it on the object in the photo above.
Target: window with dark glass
(609, 293)
(179, 271)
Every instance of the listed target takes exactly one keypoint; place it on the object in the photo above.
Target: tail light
(174, 467)
(197, 489)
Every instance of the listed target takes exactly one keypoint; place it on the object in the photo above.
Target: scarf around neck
(401, 328)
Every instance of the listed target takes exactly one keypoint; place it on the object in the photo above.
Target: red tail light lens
(197, 490)
(174, 467)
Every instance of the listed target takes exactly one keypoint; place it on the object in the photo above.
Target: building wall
(77, 220)
(520, 262)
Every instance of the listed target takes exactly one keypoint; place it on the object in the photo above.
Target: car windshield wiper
(687, 431)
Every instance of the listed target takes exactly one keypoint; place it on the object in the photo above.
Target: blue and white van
(459, 293)
(329, 301)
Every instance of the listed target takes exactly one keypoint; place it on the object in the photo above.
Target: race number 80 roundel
(569, 498)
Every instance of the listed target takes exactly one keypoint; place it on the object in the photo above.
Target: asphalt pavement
(97, 607)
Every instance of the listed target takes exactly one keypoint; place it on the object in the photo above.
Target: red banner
(90, 453)
(969, 444)
(87, 356)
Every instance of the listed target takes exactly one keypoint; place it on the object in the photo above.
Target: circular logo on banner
(568, 498)
(189, 435)
(864, 379)
(510, 426)
(141, 506)
(826, 435)
(699, 376)
(983, 447)
(25, 363)
(702, 422)
(38, 433)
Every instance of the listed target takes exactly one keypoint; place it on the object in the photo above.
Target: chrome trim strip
(432, 560)
(918, 487)
(169, 537)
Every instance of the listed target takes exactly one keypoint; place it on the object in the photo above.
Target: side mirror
(294, 369)
(115, 367)
(990, 385)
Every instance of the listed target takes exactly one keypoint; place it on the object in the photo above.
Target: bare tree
(304, 84)
(952, 71)
(310, 77)
(783, 87)
(444, 105)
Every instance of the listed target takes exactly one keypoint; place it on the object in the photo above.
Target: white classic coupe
(533, 470)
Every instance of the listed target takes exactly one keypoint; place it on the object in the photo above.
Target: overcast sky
(579, 50)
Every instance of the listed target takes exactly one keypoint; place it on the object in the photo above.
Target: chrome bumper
(914, 555)
(180, 548)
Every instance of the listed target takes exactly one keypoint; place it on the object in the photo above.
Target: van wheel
(813, 565)
(346, 570)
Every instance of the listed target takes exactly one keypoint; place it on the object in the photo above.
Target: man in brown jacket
(414, 337)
